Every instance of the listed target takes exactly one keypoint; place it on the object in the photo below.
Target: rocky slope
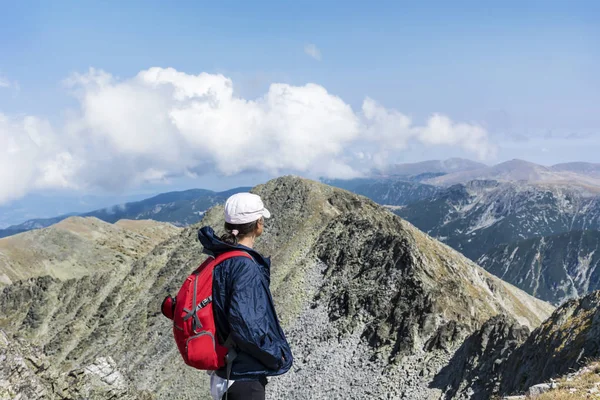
(566, 341)
(502, 359)
(401, 299)
(78, 246)
(476, 217)
(26, 373)
(372, 306)
(475, 370)
(552, 268)
(583, 384)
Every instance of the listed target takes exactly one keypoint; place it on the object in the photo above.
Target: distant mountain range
(48, 205)
(573, 174)
(451, 165)
(456, 170)
(179, 208)
(509, 217)
(582, 168)
(392, 192)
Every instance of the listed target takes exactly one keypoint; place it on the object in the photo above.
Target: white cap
(243, 208)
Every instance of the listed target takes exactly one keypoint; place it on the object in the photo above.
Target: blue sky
(523, 71)
(466, 59)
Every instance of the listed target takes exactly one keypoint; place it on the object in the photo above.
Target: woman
(242, 303)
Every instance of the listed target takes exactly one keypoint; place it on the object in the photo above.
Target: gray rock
(564, 343)
(538, 389)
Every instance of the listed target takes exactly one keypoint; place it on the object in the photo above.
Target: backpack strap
(193, 313)
(230, 254)
(229, 343)
(222, 257)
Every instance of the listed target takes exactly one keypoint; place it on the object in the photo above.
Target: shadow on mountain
(475, 368)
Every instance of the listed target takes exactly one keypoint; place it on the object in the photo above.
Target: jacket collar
(214, 246)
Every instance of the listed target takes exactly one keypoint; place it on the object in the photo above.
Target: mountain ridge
(385, 338)
(78, 246)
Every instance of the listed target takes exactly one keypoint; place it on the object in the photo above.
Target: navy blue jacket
(243, 307)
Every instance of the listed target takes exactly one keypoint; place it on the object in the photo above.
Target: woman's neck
(247, 241)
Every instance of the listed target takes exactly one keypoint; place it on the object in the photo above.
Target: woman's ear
(260, 225)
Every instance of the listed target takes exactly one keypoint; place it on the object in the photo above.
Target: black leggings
(247, 390)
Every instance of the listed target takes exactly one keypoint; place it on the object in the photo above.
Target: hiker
(243, 308)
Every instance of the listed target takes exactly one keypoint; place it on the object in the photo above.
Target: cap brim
(266, 213)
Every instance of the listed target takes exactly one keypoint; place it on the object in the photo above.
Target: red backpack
(192, 314)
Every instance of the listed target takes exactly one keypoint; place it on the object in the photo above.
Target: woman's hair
(242, 230)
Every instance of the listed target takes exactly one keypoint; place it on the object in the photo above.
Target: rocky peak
(376, 284)
(368, 302)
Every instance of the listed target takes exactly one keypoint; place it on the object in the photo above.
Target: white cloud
(4, 83)
(312, 51)
(393, 130)
(164, 123)
(31, 157)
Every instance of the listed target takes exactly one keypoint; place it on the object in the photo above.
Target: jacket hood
(214, 246)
